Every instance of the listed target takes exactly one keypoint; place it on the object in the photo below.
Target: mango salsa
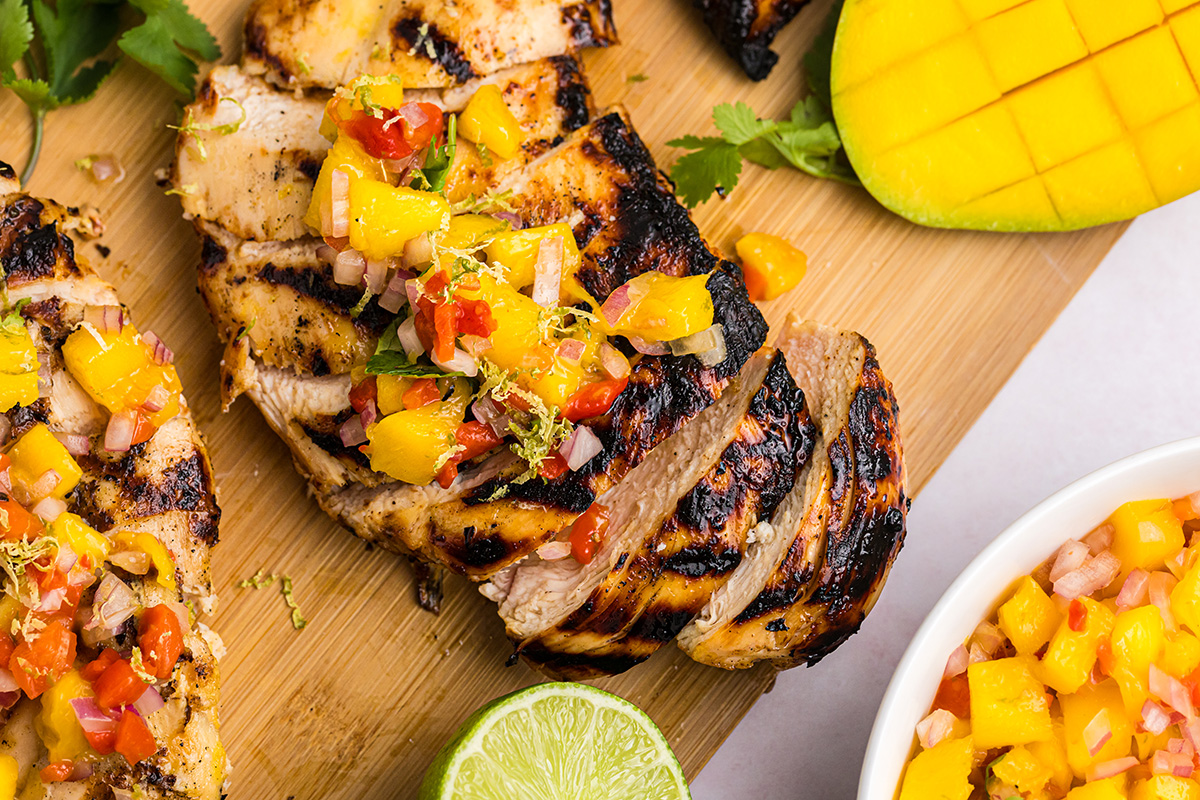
(1008, 703)
(383, 217)
(18, 365)
(517, 252)
(1019, 116)
(1079, 709)
(57, 724)
(1072, 653)
(1145, 533)
(1166, 787)
(84, 540)
(1029, 618)
(1185, 600)
(413, 444)
(665, 308)
(941, 772)
(119, 372)
(486, 120)
(1107, 789)
(1019, 767)
(38, 451)
(770, 265)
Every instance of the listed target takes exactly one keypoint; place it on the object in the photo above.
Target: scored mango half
(1020, 115)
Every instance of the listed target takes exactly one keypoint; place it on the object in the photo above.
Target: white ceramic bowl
(1171, 470)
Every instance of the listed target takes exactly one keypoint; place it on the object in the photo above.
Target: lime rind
(556, 741)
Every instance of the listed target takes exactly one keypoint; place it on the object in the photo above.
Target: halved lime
(556, 741)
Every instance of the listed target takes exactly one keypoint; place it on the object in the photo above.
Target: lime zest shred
(186, 190)
(537, 439)
(262, 581)
(361, 305)
(139, 666)
(302, 63)
(485, 155)
(191, 127)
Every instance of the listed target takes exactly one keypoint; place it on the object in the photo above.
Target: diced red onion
(103, 169)
(352, 432)
(413, 114)
(66, 558)
(339, 204)
(327, 254)
(1070, 557)
(349, 267)
(377, 273)
(157, 399)
(417, 251)
(1135, 589)
(1177, 564)
(400, 167)
(5, 481)
(181, 613)
(580, 447)
(613, 361)
(76, 444)
(394, 296)
(51, 600)
(1155, 718)
(81, 771)
(46, 483)
(706, 339)
(7, 682)
(406, 332)
(134, 561)
(935, 727)
(977, 655)
(547, 272)
(9, 699)
(489, 412)
(48, 508)
(570, 350)
(988, 637)
(1179, 746)
(554, 551)
(1161, 584)
(1107, 769)
(162, 354)
(512, 219)
(1171, 691)
(1100, 539)
(957, 663)
(105, 319)
(1095, 574)
(369, 413)
(91, 717)
(615, 306)
(460, 362)
(648, 348)
(113, 604)
(1097, 732)
(149, 702)
(475, 346)
(1165, 762)
(118, 436)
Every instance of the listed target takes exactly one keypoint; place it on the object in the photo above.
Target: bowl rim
(962, 605)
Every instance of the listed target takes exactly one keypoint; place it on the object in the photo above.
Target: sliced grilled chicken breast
(163, 487)
(276, 150)
(746, 28)
(427, 43)
(537, 595)
(667, 578)
(816, 570)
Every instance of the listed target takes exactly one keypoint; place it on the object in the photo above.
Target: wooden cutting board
(356, 705)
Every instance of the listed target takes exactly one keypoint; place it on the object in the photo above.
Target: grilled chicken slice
(816, 570)
(163, 486)
(746, 28)
(666, 579)
(292, 342)
(427, 43)
(276, 151)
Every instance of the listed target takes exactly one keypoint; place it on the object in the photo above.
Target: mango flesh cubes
(1020, 115)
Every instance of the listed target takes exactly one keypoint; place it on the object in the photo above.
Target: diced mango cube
(37, 451)
(468, 231)
(1054, 137)
(1185, 599)
(887, 33)
(1072, 654)
(1108, 789)
(57, 724)
(84, 540)
(1053, 753)
(1008, 703)
(1165, 787)
(1145, 534)
(1146, 743)
(963, 161)
(1030, 41)
(487, 120)
(160, 556)
(348, 156)
(517, 252)
(10, 770)
(889, 96)
(390, 391)
(1167, 149)
(1107, 183)
(1138, 638)
(940, 773)
(1181, 655)
(1020, 768)
(1105, 22)
(18, 365)
(666, 307)
(1171, 6)
(119, 372)
(1079, 709)
(1029, 618)
(770, 264)
(412, 445)
(1146, 77)
(383, 217)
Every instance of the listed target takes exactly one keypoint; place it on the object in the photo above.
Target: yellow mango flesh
(383, 217)
(57, 724)
(1107, 789)
(1185, 600)
(1165, 787)
(1146, 533)
(84, 540)
(1072, 654)
(1008, 703)
(517, 252)
(18, 367)
(487, 121)
(9, 772)
(411, 445)
(1079, 709)
(120, 372)
(1020, 116)
(1029, 618)
(940, 773)
(1021, 768)
(38, 451)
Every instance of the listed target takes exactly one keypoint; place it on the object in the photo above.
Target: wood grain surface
(356, 705)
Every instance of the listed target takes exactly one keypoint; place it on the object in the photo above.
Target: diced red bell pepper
(1076, 615)
(553, 466)
(118, 685)
(422, 392)
(161, 638)
(363, 393)
(96, 668)
(475, 317)
(588, 532)
(594, 399)
(17, 523)
(390, 135)
(954, 695)
(37, 663)
(134, 740)
(57, 771)
(143, 429)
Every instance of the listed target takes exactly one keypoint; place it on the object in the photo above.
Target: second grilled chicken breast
(817, 568)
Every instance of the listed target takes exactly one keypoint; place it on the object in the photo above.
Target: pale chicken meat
(163, 487)
(426, 43)
(816, 570)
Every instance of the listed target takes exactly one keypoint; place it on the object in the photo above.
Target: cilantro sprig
(60, 48)
(807, 140)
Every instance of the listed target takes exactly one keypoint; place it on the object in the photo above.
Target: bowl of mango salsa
(1064, 662)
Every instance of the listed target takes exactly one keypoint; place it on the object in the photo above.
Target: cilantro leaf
(714, 164)
(738, 123)
(73, 32)
(16, 32)
(395, 362)
(818, 59)
(432, 177)
(153, 45)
